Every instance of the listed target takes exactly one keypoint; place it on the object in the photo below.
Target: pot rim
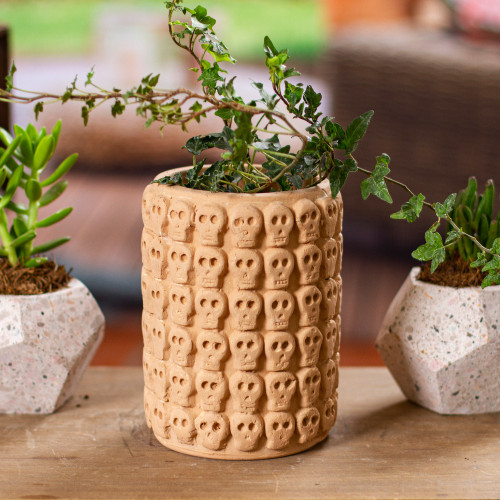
(416, 282)
(323, 186)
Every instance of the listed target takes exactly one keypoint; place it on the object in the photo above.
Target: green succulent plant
(24, 158)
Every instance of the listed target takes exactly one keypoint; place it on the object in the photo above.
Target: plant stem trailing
(252, 130)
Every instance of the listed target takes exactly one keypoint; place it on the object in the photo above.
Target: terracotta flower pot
(46, 343)
(442, 345)
(241, 319)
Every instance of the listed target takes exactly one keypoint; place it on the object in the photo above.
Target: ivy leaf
(410, 211)
(118, 108)
(334, 131)
(313, 100)
(375, 184)
(270, 100)
(432, 250)
(493, 264)
(442, 210)
(9, 79)
(38, 109)
(339, 173)
(210, 76)
(452, 236)
(493, 278)
(480, 261)
(355, 132)
(293, 94)
(90, 75)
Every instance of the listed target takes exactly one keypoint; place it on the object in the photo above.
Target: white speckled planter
(46, 343)
(442, 345)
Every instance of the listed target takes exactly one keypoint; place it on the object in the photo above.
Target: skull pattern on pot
(210, 222)
(180, 219)
(241, 319)
(246, 348)
(278, 220)
(279, 264)
(245, 266)
(246, 224)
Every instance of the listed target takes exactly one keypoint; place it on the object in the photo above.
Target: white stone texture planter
(241, 319)
(442, 346)
(46, 343)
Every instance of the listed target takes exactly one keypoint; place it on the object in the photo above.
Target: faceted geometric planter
(442, 346)
(241, 319)
(46, 343)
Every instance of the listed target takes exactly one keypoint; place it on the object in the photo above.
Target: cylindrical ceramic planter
(46, 343)
(442, 346)
(241, 319)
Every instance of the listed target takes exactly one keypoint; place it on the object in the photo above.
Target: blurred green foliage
(65, 27)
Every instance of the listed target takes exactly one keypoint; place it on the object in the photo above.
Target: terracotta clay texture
(46, 343)
(241, 319)
(442, 345)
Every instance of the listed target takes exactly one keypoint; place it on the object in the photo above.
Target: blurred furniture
(4, 69)
(436, 98)
(98, 446)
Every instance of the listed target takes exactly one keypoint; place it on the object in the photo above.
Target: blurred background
(429, 68)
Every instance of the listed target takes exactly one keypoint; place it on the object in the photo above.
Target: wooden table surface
(98, 446)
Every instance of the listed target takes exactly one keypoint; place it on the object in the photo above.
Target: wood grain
(98, 446)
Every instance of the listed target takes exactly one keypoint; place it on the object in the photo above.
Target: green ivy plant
(23, 160)
(252, 131)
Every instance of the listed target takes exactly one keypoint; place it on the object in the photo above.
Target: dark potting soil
(48, 277)
(453, 272)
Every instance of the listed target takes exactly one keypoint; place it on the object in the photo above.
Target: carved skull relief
(212, 347)
(246, 347)
(329, 260)
(328, 374)
(246, 430)
(160, 379)
(279, 347)
(278, 220)
(181, 304)
(308, 261)
(340, 250)
(279, 307)
(246, 389)
(246, 224)
(309, 383)
(308, 420)
(146, 240)
(245, 308)
(328, 414)
(308, 301)
(149, 398)
(245, 266)
(180, 219)
(338, 303)
(329, 209)
(182, 424)
(181, 385)
(307, 217)
(154, 295)
(160, 417)
(209, 265)
(329, 329)
(210, 223)
(212, 389)
(279, 264)
(180, 261)
(330, 295)
(340, 212)
(280, 388)
(158, 257)
(309, 340)
(181, 346)
(156, 218)
(154, 335)
(210, 308)
(280, 427)
(213, 429)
